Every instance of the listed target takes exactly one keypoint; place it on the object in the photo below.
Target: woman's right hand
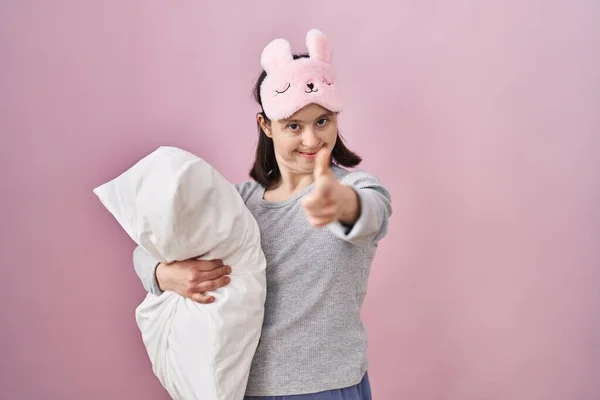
(193, 278)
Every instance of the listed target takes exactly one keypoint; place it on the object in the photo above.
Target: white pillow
(176, 206)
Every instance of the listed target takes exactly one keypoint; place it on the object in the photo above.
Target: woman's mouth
(309, 155)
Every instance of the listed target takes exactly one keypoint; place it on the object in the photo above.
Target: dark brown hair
(265, 170)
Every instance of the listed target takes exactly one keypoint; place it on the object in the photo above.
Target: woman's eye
(322, 122)
(294, 127)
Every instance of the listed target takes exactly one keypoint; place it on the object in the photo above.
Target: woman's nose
(309, 139)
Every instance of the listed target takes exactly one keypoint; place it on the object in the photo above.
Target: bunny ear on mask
(276, 55)
(318, 46)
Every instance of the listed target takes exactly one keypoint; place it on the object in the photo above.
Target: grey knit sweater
(312, 338)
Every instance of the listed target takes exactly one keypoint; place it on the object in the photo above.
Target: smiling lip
(308, 155)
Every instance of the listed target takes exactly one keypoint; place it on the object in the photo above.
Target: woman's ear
(265, 125)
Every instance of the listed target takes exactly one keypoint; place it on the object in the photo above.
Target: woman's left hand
(330, 200)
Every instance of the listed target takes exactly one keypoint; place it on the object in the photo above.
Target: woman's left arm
(364, 210)
(355, 208)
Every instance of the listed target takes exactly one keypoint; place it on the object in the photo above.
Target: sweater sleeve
(145, 268)
(375, 210)
(145, 265)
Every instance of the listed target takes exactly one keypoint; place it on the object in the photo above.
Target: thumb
(322, 163)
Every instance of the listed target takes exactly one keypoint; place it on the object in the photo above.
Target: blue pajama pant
(362, 391)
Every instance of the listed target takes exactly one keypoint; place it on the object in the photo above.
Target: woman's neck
(288, 185)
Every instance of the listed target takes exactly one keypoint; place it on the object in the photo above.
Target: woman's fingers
(323, 212)
(215, 284)
(202, 298)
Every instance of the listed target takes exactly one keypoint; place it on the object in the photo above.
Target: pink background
(481, 117)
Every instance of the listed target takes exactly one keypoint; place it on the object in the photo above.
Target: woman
(320, 225)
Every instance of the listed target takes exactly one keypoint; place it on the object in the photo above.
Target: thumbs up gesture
(330, 200)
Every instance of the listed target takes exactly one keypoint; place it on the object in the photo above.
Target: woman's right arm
(145, 268)
(190, 278)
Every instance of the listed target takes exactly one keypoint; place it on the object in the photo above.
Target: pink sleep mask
(292, 84)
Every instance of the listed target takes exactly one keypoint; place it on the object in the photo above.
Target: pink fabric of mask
(292, 84)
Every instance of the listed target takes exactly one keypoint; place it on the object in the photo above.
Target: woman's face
(298, 138)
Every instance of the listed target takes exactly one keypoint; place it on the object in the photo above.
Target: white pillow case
(176, 207)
